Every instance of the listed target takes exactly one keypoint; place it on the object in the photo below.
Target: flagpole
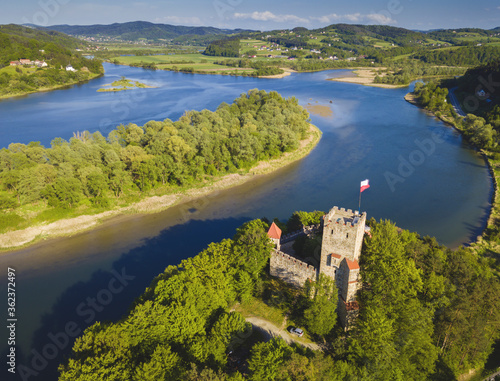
(365, 184)
(359, 207)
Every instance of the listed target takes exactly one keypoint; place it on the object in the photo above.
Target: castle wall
(290, 269)
(343, 233)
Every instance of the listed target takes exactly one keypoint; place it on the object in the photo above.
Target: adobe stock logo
(48, 9)
(87, 310)
(223, 6)
(417, 157)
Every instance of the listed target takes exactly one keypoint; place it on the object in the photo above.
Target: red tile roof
(274, 231)
(353, 265)
(336, 256)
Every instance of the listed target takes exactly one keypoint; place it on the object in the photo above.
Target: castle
(343, 232)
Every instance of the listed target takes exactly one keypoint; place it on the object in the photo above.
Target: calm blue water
(422, 176)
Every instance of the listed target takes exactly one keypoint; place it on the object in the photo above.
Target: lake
(422, 176)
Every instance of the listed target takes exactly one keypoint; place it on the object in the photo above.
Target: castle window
(347, 235)
(332, 231)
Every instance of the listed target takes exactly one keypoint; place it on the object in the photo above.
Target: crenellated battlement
(295, 261)
(343, 232)
(291, 269)
(346, 217)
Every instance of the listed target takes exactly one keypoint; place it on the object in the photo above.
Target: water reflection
(372, 131)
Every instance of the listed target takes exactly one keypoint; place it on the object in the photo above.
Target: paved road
(270, 330)
(455, 103)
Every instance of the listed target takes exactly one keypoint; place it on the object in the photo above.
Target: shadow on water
(101, 297)
(475, 165)
(476, 230)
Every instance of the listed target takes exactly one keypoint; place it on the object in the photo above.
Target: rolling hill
(32, 60)
(136, 30)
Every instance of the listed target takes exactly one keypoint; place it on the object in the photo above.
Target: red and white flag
(364, 185)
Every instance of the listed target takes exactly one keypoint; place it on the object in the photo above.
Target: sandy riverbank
(67, 227)
(364, 76)
(286, 73)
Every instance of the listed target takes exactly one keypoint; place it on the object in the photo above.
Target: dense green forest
(482, 125)
(18, 42)
(140, 30)
(427, 313)
(463, 56)
(56, 49)
(92, 170)
(224, 48)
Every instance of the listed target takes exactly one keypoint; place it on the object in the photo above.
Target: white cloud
(269, 16)
(367, 18)
(354, 17)
(377, 18)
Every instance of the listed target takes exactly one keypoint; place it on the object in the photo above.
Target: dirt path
(270, 331)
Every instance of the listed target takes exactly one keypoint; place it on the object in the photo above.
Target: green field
(377, 43)
(248, 45)
(12, 70)
(430, 41)
(401, 57)
(196, 58)
(197, 61)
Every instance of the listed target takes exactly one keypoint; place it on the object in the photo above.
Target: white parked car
(297, 331)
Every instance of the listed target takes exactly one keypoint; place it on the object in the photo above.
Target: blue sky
(258, 14)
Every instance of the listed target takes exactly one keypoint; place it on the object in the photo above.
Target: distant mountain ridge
(139, 29)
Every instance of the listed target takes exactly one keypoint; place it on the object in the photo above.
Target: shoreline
(490, 218)
(286, 73)
(48, 89)
(365, 77)
(67, 227)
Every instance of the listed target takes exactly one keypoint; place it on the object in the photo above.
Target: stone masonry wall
(341, 235)
(290, 269)
(348, 282)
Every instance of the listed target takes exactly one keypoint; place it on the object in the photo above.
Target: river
(422, 176)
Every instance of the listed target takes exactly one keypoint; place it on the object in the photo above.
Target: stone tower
(343, 232)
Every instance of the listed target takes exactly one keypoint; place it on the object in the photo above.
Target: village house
(39, 63)
(22, 62)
